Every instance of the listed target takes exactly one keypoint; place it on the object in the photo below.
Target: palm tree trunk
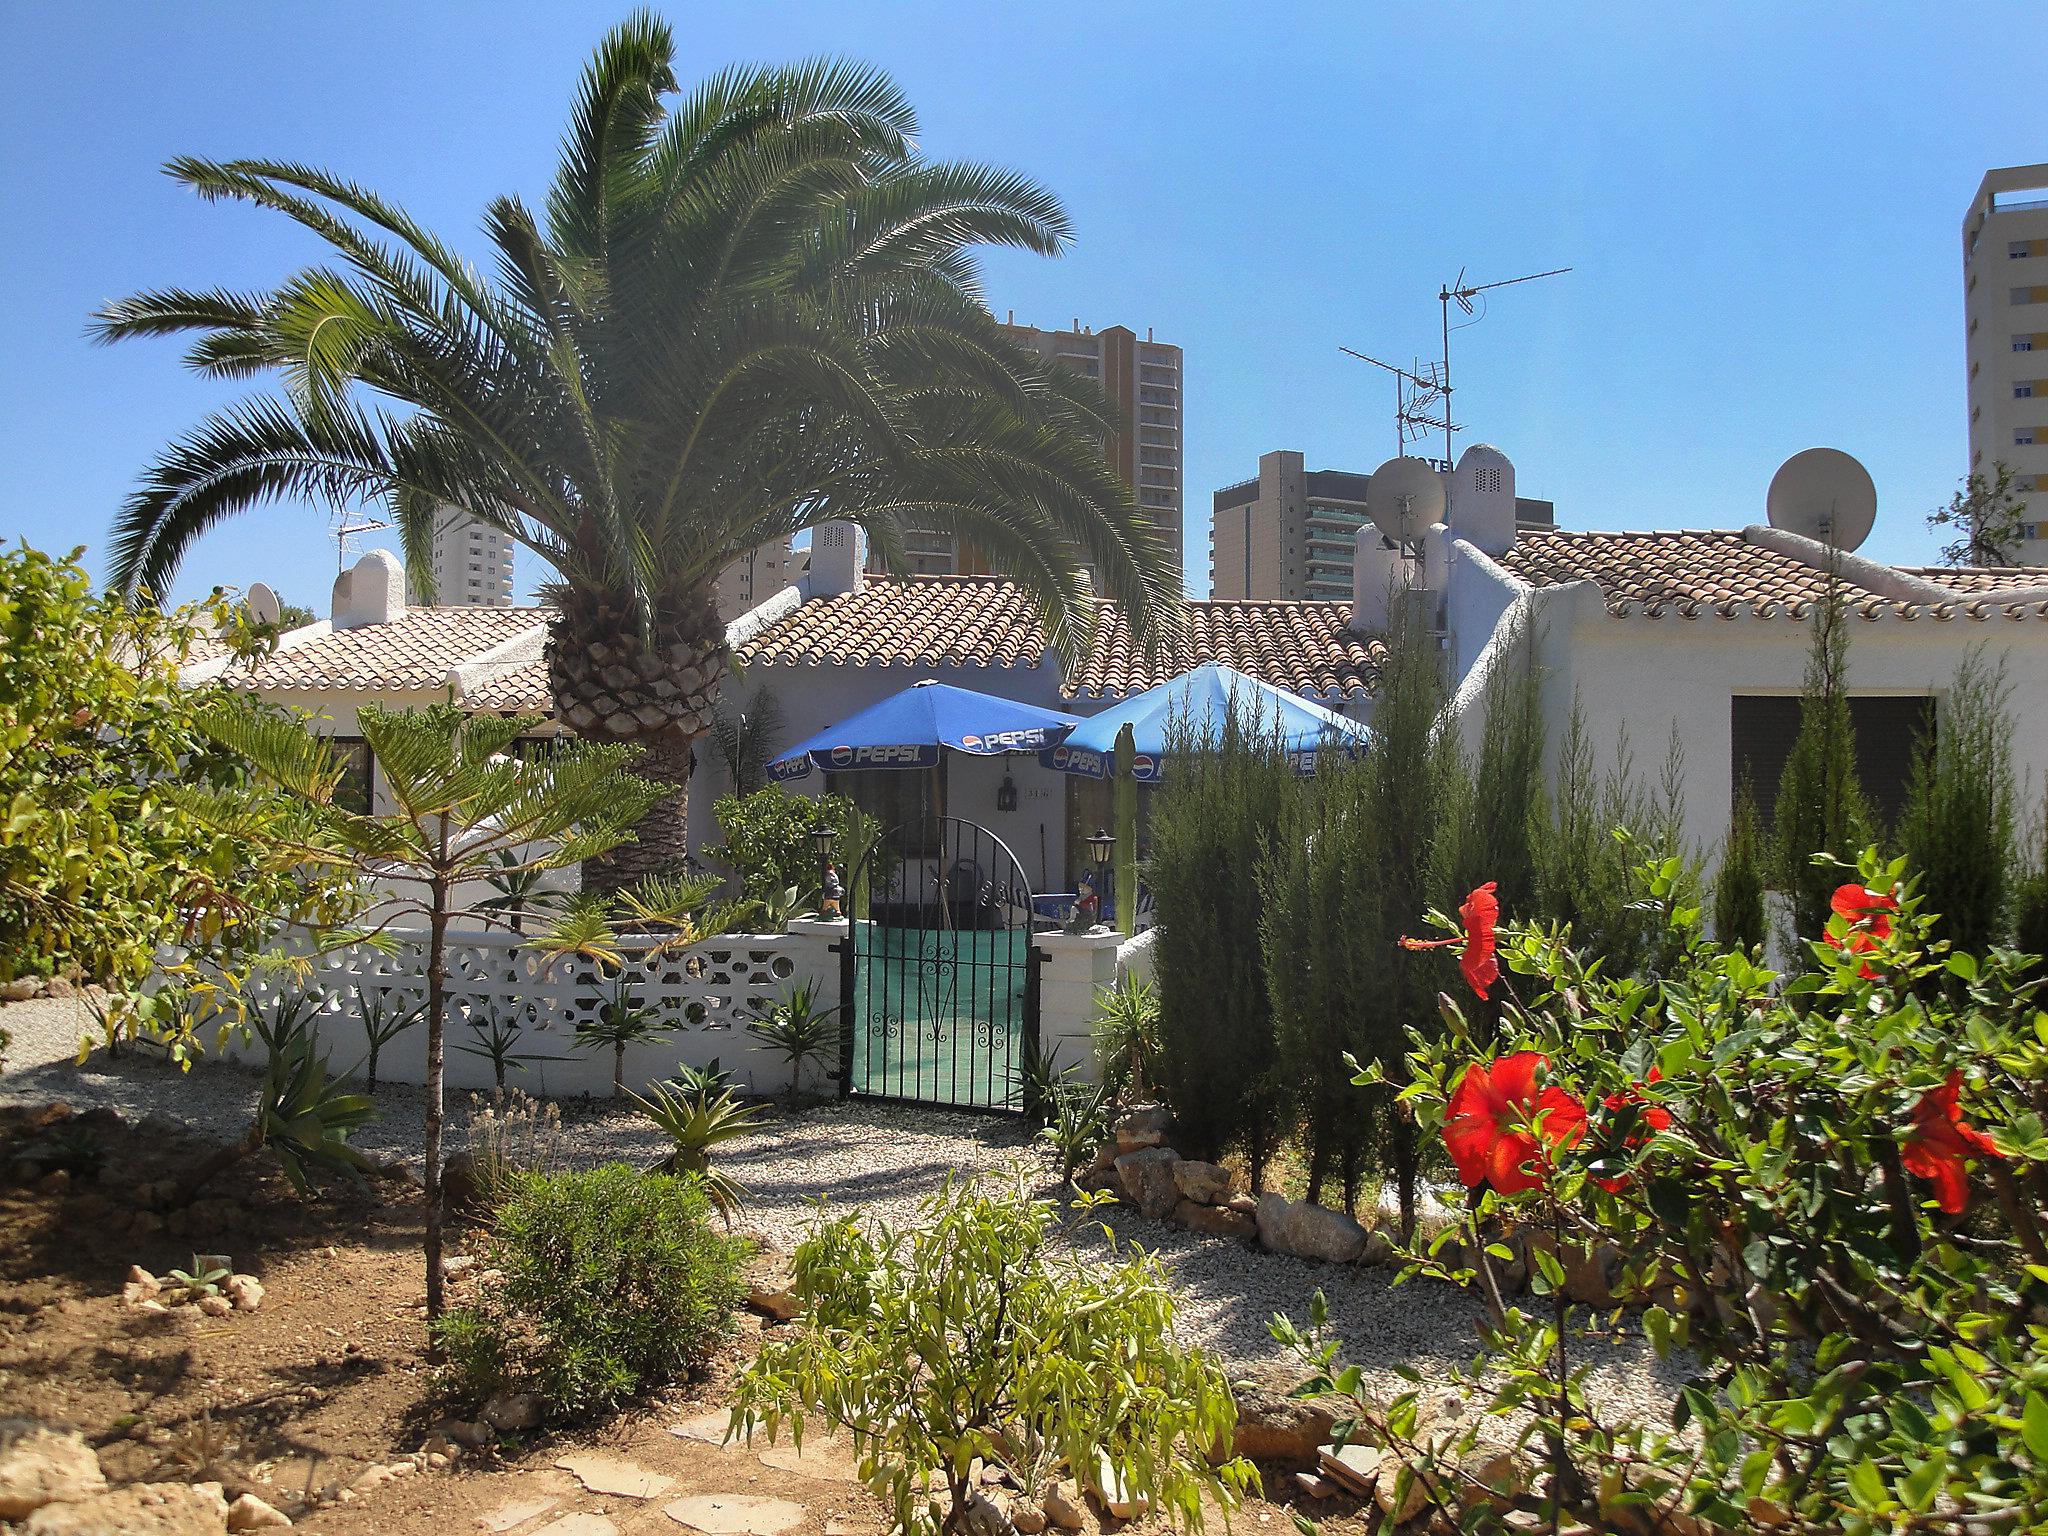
(612, 684)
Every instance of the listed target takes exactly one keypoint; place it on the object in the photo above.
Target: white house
(1702, 632)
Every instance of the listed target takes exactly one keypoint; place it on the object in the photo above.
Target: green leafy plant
(202, 1279)
(768, 841)
(1786, 1167)
(797, 1031)
(615, 1282)
(1822, 816)
(497, 1036)
(695, 1120)
(621, 1020)
(517, 893)
(1078, 1122)
(977, 1331)
(386, 1014)
(707, 1081)
(1039, 1077)
(1127, 1035)
(302, 1117)
(1957, 827)
(1739, 917)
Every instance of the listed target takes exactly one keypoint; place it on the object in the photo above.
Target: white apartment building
(472, 562)
(2005, 300)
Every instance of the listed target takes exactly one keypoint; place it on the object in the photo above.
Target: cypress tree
(1505, 810)
(1821, 809)
(1957, 827)
(1739, 883)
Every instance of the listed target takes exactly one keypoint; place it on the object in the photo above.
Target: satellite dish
(1823, 494)
(1403, 498)
(263, 605)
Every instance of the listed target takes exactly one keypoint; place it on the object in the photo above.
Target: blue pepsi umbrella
(910, 729)
(1199, 702)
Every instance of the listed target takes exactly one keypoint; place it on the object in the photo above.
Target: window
(901, 799)
(2015, 249)
(2023, 343)
(2023, 391)
(1886, 727)
(2030, 530)
(2023, 437)
(2025, 295)
(355, 792)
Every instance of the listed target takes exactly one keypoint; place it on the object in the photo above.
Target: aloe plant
(798, 1031)
(695, 1123)
(621, 1020)
(385, 1017)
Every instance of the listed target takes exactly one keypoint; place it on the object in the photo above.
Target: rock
(515, 1513)
(41, 1466)
(1388, 1484)
(776, 1301)
(244, 1292)
(736, 1514)
(21, 989)
(249, 1513)
(578, 1525)
(1271, 1427)
(982, 1516)
(610, 1474)
(1203, 1183)
(1027, 1517)
(461, 1189)
(1589, 1271)
(149, 1306)
(1378, 1249)
(1116, 1495)
(215, 1494)
(1216, 1221)
(1247, 1204)
(1062, 1505)
(1308, 1231)
(467, 1432)
(459, 1264)
(509, 1412)
(57, 986)
(1147, 1178)
(143, 1280)
(141, 1509)
(1355, 1467)
(134, 1295)
(1312, 1487)
(216, 1306)
(1142, 1127)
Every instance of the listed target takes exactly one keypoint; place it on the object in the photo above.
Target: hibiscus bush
(1828, 1187)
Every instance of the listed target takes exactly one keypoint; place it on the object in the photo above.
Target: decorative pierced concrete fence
(705, 994)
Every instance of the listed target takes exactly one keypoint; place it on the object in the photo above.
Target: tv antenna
(1416, 395)
(346, 527)
(1462, 294)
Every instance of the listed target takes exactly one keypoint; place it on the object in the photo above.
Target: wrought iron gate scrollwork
(938, 970)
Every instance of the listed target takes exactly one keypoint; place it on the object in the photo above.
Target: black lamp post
(1101, 849)
(822, 838)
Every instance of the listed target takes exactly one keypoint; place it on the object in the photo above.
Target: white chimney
(835, 559)
(1483, 499)
(372, 591)
(1378, 573)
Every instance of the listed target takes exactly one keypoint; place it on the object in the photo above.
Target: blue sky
(1760, 202)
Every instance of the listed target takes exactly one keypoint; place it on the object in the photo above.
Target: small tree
(1984, 519)
(1739, 918)
(1820, 807)
(459, 802)
(1957, 828)
(975, 1333)
(1506, 812)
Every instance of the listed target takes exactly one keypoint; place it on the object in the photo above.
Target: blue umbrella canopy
(1199, 702)
(910, 729)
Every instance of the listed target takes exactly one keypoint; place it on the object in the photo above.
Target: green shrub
(1957, 829)
(767, 840)
(1224, 805)
(1739, 917)
(1821, 809)
(615, 1282)
(979, 1331)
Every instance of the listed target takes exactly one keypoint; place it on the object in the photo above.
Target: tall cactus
(1124, 789)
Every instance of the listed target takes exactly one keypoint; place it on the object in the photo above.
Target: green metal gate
(941, 977)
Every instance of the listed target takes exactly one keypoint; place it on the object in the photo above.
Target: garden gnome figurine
(835, 893)
(1086, 903)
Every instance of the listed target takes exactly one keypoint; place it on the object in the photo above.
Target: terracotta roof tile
(407, 655)
(1710, 568)
(965, 621)
(1981, 578)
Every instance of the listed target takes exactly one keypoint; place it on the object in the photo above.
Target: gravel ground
(885, 1158)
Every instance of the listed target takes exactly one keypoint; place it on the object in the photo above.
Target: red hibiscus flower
(1867, 913)
(1655, 1116)
(1939, 1144)
(1498, 1120)
(1479, 914)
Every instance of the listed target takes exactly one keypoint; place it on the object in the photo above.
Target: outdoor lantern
(821, 839)
(1101, 848)
(1006, 794)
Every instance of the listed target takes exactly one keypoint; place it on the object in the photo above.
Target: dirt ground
(328, 1378)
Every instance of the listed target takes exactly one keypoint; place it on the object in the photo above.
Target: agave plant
(744, 314)
(1077, 1124)
(695, 1123)
(798, 1031)
(385, 1016)
(302, 1117)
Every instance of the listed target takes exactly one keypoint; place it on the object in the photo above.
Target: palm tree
(742, 316)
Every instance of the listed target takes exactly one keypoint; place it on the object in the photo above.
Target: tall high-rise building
(472, 562)
(753, 578)
(1292, 533)
(2005, 301)
(1143, 381)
